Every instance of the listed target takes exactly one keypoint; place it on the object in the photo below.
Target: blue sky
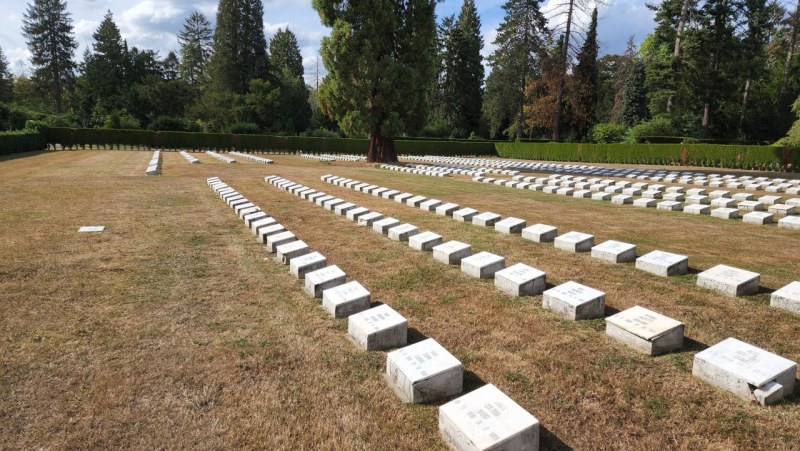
(154, 24)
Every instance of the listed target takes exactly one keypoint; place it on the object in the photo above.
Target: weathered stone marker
(540, 233)
(663, 264)
(482, 265)
(424, 372)
(575, 301)
(452, 252)
(574, 242)
(346, 299)
(424, 241)
(304, 264)
(787, 298)
(322, 279)
(520, 280)
(729, 280)
(645, 330)
(615, 251)
(378, 328)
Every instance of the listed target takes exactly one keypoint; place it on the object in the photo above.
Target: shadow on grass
(692, 345)
(763, 290)
(610, 311)
(18, 155)
(550, 441)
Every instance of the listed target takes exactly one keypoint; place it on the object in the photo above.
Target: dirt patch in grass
(174, 328)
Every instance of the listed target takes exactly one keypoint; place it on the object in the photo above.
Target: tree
(462, 84)
(585, 82)
(380, 61)
(170, 66)
(240, 48)
(285, 53)
(541, 93)
(758, 19)
(514, 64)
(195, 40)
(6, 82)
(47, 28)
(104, 70)
(633, 98)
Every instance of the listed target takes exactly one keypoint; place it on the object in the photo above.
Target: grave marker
(646, 331)
(424, 372)
(615, 252)
(378, 328)
(344, 300)
(382, 226)
(787, 298)
(574, 301)
(729, 280)
(540, 233)
(452, 252)
(663, 264)
(487, 219)
(482, 265)
(304, 264)
(321, 279)
(402, 232)
(510, 225)
(574, 242)
(520, 280)
(425, 241)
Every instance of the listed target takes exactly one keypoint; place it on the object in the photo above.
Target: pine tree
(195, 40)
(285, 53)
(240, 48)
(6, 83)
(47, 28)
(381, 64)
(585, 83)
(463, 78)
(514, 64)
(104, 70)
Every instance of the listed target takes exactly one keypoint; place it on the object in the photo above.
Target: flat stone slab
(265, 232)
(250, 218)
(520, 280)
(430, 204)
(446, 209)
(273, 241)
(575, 301)
(424, 372)
(487, 219)
(787, 298)
(416, 201)
(382, 226)
(304, 264)
(424, 241)
(402, 232)
(452, 252)
(378, 328)
(782, 209)
(718, 194)
(622, 199)
(746, 371)
(356, 213)
(258, 224)
(91, 229)
(644, 202)
(758, 217)
(487, 419)
(510, 225)
(344, 300)
(540, 233)
(482, 265)
(770, 200)
(697, 209)
(601, 196)
(790, 222)
(369, 218)
(729, 280)
(285, 253)
(669, 205)
(751, 205)
(574, 242)
(465, 214)
(321, 279)
(615, 251)
(646, 331)
(342, 209)
(725, 213)
(663, 264)
(402, 198)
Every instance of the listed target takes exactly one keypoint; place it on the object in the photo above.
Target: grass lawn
(174, 328)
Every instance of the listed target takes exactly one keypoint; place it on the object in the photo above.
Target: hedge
(768, 158)
(22, 141)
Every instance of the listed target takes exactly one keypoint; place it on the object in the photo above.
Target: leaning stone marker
(520, 280)
(663, 264)
(487, 419)
(645, 330)
(729, 280)
(575, 301)
(747, 371)
(424, 372)
(378, 328)
(344, 300)
(304, 264)
(787, 298)
(615, 252)
(482, 265)
(452, 252)
(322, 279)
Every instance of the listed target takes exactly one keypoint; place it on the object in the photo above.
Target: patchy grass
(175, 329)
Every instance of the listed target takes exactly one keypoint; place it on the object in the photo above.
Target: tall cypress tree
(585, 80)
(240, 48)
(195, 40)
(6, 84)
(463, 81)
(285, 53)
(105, 69)
(47, 27)
(381, 65)
(514, 64)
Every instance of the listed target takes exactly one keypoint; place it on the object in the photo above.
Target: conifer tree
(463, 77)
(105, 69)
(285, 52)
(633, 99)
(195, 40)
(585, 83)
(6, 83)
(47, 27)
(240, 48)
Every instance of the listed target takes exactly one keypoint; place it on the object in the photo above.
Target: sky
(154, 24)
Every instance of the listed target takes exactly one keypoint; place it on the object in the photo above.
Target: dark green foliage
(104, 70)
(240, 48)
(195, 40)
(6, 83)
(170, 123)
(658, 126)
(26, 140)
(245, 128)
(633, 99)
(585, 80)
(47, 27)
(609, 132)
(285, 52)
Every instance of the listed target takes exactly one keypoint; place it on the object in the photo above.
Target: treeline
(711, 71)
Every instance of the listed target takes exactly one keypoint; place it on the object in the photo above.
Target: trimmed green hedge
(768, 158)
(22, 141)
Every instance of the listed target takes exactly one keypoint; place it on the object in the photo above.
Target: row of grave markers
(189, 157)
(642, 329)
(423, 372)
(698, 201)
(252, 157)
(154, 166)
(220, 157)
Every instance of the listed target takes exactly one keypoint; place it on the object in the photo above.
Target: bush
(26, 140)
(168, 123)
(660, 126)
(609, 132)
(121, 121)
(244, 128)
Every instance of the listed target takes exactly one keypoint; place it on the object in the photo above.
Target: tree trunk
(795, 20)
(747, 85)
(676, 51)
(381, 149)
(706, 120)
(562, 76)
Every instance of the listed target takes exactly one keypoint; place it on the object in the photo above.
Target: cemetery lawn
(174, 328)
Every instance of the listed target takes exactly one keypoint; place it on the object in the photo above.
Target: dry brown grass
(170, 329)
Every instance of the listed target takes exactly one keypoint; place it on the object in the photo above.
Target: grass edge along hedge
(26, 140)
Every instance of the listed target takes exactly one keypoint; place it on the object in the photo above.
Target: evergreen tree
(195, 40)
(285, 53)
(514, 64)
(380, 61)
(585, 83)
(6, 83)
(104, 70)
(170, 66)
(633, 99)
(240, 48)
(463, 77)
(47, 28)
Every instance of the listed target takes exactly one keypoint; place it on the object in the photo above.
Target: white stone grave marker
(424, 372)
